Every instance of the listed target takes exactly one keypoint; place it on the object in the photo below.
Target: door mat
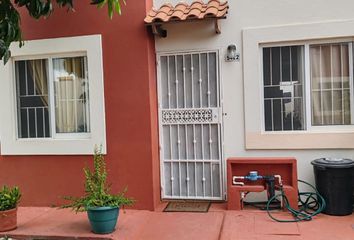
(187, 207)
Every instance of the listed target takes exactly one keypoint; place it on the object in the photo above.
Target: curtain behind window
(71, 95)
(330, 84)
(38, 69)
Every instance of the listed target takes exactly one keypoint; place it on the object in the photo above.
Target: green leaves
(96, 188)
(113, 6)
(36, 8)
(10, 30)
(65, 3)
(9, 198)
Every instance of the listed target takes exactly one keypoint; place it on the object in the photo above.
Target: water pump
(253, 176)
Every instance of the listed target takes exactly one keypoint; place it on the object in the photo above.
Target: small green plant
(96, 189)
(9, 198)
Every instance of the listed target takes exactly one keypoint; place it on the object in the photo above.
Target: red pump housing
(238, 166)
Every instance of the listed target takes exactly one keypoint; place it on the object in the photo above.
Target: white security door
(190, 120)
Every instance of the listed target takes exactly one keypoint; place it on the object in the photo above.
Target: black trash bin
(334, 181)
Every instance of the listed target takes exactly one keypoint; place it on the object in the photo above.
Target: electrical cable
(313, 204)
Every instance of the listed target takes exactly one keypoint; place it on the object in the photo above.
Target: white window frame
(58, 144)
(316, 137)
(307, 98)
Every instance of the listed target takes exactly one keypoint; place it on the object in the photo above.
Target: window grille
(283, 79)
(32, 98)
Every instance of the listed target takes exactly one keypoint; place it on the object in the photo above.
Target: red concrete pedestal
(285, 167)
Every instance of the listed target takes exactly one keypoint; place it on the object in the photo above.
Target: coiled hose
(312, 205)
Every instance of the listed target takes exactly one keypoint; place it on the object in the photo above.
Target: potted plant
(9, 198)
(101, 206)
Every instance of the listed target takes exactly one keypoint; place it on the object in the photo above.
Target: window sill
(50, 147)
(300, 140)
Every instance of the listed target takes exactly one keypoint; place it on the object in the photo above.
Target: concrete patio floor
(51, 223)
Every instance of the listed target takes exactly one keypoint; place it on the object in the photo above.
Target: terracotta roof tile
(182, 11)
(222, 13)
(211, 11)
(197, 4)
(177, 14)
(194, 13)
(181, 6)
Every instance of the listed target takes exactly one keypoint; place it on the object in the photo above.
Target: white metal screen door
(190, 126)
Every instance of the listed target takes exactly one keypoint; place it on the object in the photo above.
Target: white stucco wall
(254, 14)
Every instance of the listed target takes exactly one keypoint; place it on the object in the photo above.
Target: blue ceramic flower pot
(103, 220)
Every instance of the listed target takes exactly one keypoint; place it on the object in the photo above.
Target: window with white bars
(32, 98)
(52, 97)
(283, 78)
(313, 77)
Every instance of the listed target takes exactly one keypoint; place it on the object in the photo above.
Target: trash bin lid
(333, 162)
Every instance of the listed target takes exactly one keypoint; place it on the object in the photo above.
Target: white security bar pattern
(190, 116)
(283, 78)
(190, 126)
(32, 98)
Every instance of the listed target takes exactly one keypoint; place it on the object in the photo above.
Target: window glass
(283, 79)
(71, 95)
(70, 91)
(32, 98)
(330, 85)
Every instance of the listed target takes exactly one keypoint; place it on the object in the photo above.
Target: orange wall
(131, 113)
